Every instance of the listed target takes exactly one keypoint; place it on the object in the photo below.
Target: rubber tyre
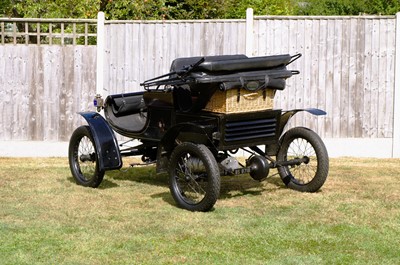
(85, 171)
(306, 177)
(194, 177)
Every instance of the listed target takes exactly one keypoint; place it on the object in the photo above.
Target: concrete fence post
(100, 54)
(249, 31)
(396, 98)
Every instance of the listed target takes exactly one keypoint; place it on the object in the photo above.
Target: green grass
(45, 218)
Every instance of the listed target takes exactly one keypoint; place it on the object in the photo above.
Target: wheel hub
(87, 157)
(259, 167)
(195, 165)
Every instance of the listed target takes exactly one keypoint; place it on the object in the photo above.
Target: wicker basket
(236, 101)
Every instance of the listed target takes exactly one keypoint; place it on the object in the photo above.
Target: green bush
(192, 9)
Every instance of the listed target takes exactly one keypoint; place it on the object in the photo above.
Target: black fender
(108, 153)
(272, 149)
(286, 115)
(183, 132)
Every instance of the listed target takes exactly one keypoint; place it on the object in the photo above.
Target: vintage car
(192, 121)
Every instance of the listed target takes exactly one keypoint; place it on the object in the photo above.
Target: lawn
(45, 218)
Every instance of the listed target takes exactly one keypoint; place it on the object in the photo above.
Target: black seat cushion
(126, 104)
(232, 63)
(245, 64)
(182, 63)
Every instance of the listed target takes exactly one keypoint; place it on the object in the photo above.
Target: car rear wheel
(311, 170)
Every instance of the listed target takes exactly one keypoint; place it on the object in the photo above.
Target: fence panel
(347, 69)
(42, 88)
(139, 50)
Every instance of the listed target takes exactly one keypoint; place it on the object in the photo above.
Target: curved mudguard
(285, 117)
(108, 152)
(272, 149)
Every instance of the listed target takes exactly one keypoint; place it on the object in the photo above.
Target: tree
(4, 5)
(128, 9)
(237, 9)
(196, 9)
(350, 7)
(191, 9)
(165, 9)
(51, 8)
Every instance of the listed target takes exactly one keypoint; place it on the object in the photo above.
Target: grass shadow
(71, 179)
(105, 184)
(231, 186)
(242, 185)
(165, 196)
(140, 174)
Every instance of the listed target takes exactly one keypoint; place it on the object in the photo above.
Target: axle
(258, 166)
(292, 162)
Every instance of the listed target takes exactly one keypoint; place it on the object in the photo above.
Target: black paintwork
(171, 112)
(105, 141)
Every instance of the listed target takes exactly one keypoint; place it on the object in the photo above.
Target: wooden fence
(48, 31)
(42, 88)
(347, 68)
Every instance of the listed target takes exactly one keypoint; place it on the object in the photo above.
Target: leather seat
(182, 63)
(232, 63)
(126, 104)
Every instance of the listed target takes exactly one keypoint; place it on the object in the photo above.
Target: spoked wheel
(194, 177)
(83, 159)
(304, 158)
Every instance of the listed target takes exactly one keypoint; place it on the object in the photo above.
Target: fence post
(100, 54)
(396, 103)
(249, 31)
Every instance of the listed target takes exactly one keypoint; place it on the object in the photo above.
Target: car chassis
(196, 146)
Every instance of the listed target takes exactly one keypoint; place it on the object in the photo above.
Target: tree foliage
(191, 9)
(50, 8)
(350, 7)
(262, 7)
(161, 9)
